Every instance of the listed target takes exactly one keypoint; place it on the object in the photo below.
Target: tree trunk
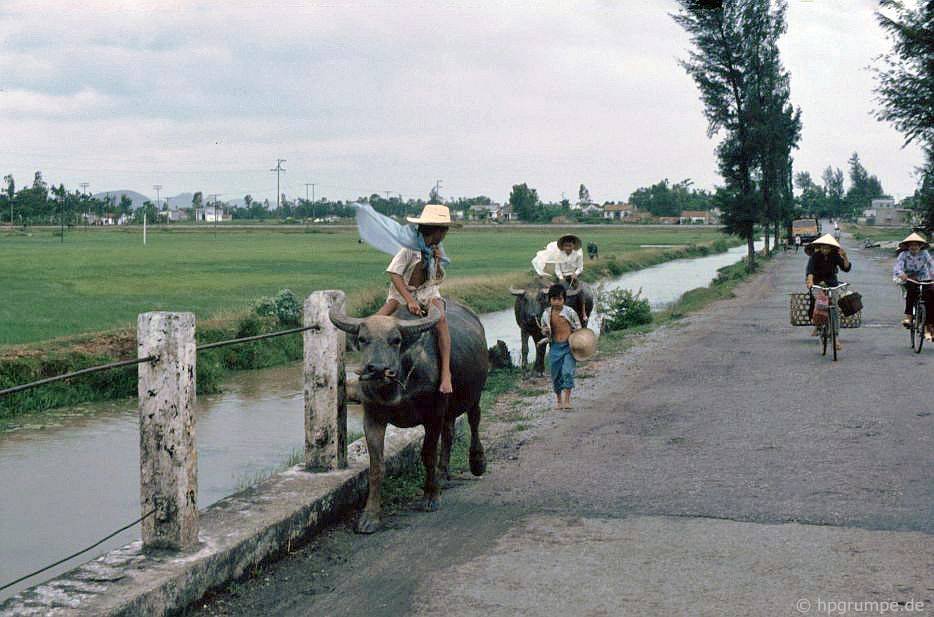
(777, 234)
(767, 247)
(751, 251)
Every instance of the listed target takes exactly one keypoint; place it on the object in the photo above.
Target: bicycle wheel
(823, 340)
(911, 328)
(918, 329)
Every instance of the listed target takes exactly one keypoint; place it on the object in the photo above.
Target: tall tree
(864, 187)
(906, 86)
(524, 201)
(834, 191)
(744, 92)
(583, 194)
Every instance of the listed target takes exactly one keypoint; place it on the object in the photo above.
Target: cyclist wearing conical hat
(914, 262)
(827, 257)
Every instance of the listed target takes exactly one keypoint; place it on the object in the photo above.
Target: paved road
(721, 468)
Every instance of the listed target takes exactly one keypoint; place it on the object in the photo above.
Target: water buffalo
(398, 385)
(531, 302)
(579, 298)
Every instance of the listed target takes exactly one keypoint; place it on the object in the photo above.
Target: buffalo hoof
(477, 462)
(368, 523)
(431, 504)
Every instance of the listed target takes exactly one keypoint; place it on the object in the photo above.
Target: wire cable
(73, 555)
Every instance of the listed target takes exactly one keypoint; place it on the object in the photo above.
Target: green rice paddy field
(101, 279)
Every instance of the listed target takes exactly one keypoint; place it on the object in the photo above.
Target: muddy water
(64, 486)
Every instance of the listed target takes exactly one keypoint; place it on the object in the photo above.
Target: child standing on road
(558, 321)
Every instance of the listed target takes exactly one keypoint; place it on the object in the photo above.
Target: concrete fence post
(168, 459)
(325, 385)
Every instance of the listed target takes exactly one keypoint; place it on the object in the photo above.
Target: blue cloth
(562, 365)
(386, 235)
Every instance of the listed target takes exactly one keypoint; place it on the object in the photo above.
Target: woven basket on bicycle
(798, 309)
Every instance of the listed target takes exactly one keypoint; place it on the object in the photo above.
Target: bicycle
(830, 330)
(918, 315)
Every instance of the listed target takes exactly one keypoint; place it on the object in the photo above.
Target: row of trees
(905, 87)
(40, 203)
(829, 199)
(744, 87)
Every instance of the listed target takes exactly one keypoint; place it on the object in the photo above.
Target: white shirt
(564, 264)
(404, 264)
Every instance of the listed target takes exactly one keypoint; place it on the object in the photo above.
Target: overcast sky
(364, 97)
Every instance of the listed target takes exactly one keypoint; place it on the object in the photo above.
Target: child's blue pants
(562, 366)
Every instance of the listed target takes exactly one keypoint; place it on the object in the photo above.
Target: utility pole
(312, 202)
(438, 189)
(214, 195)
(157, 187)
(278, 169)
(61, 215)
(87, 217)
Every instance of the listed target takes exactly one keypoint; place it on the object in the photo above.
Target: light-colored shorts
(423, 295)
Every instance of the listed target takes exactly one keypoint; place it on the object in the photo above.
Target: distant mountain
(137, 198)
(182, 200)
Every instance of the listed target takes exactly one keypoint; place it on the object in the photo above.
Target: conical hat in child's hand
(583, 344)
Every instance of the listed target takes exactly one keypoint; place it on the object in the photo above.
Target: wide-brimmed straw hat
(434, 214)
(827, 239)
(583, 344)
(572, 238)
(914, 237)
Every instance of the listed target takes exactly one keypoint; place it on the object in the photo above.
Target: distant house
(884, 212)
(693, 217)
(669, 220)
(210, 214)
(592, 210)
(506, 213)
(618, 211)
(485, 212)
(173, 216)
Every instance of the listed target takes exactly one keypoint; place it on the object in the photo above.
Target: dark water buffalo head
(531, 302)
(383, 340)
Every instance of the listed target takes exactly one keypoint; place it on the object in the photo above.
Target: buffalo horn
(411, 328)
(516, 292)
(345, 323)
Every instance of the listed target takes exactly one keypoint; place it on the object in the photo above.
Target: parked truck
(808, 229)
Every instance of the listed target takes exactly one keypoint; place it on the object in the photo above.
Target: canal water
(72, 476)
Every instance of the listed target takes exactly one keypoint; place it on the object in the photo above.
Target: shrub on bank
(622, 309)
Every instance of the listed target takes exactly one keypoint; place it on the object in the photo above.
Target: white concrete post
(168, 459)
(325, 392)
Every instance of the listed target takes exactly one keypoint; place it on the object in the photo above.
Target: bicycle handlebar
(922, 283)
(829, 288)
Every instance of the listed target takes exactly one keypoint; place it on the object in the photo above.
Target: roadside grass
(877, 234)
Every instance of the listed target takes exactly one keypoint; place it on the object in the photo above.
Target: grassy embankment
(81, 297)
(877, 234)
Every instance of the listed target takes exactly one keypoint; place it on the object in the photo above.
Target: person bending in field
(415, 275)
(558, 321)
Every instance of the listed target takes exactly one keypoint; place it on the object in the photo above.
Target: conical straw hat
(583, 344)
(914, 237)
(825, 239)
